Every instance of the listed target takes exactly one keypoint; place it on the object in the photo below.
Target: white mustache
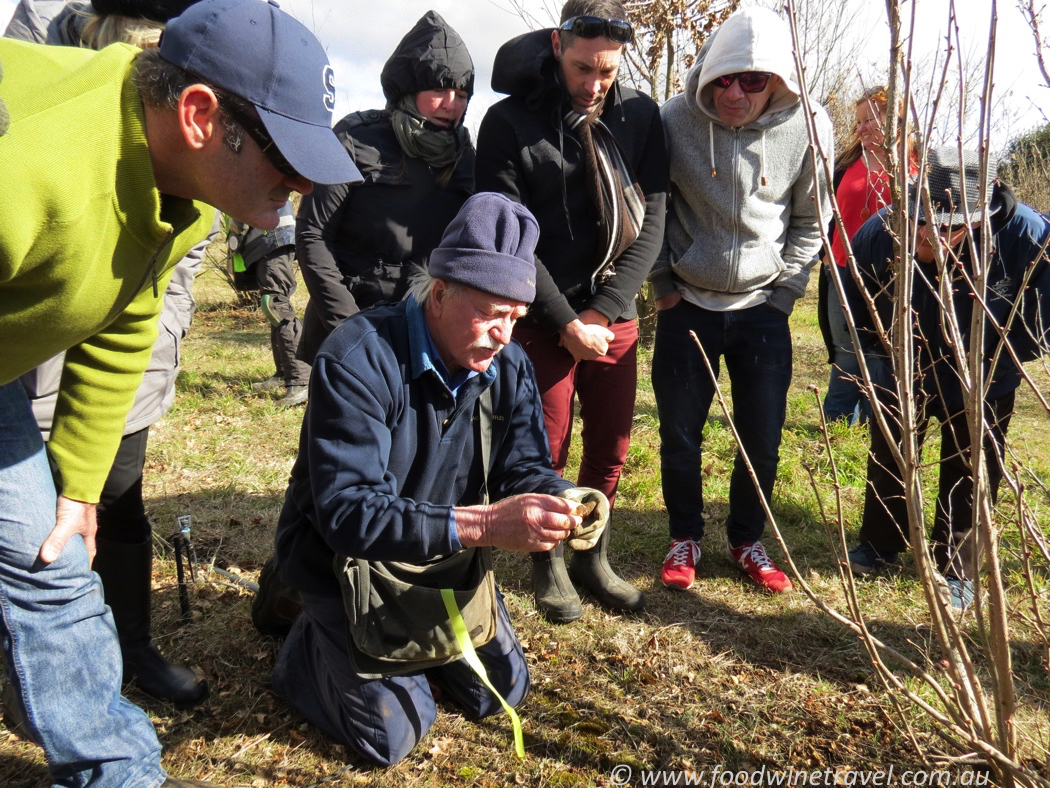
(487, 343)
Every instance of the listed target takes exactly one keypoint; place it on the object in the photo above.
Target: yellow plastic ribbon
(459, 628)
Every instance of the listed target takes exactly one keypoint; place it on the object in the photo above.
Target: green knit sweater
(87, 243)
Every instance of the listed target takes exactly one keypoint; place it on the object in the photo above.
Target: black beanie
(153, 10)
(490, 246)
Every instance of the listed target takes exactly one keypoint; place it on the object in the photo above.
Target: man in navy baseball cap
(232, 111)
(255, 51)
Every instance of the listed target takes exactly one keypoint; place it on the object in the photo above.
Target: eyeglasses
(262, 138)
(593, 26)
(943, 229)
(750, 81)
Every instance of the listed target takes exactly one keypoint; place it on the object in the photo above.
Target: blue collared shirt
(424, 358)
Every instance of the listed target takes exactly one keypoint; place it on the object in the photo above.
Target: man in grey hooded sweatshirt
(742, 233)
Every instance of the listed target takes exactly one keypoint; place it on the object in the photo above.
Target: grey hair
(160, 85)
(421, 285)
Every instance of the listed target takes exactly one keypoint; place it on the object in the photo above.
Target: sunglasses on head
(750, 81)
(594, 26)
(262, 138)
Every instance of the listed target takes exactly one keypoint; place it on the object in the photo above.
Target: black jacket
(355, 243)
(525, 152)
(1019, 234)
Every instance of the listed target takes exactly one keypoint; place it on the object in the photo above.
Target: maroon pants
(606, 389)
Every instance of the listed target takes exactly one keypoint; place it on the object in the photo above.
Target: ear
(556, 43)
(199, 117)
(437, 296)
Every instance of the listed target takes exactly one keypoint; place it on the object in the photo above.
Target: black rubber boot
(590, 569)
(556, 599)
(127, 573)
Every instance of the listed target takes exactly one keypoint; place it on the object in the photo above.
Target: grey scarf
(439, 149)
(617, 198)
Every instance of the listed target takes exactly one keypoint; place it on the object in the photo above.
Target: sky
(359, 42)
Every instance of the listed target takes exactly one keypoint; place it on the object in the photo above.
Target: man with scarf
(587, 157)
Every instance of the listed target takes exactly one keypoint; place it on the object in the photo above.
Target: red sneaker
(753, 560)
(680, 564)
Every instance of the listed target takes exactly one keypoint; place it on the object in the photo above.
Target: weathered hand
(71, 518)
(525, 523)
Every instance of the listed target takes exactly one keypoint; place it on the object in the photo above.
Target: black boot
(275, 606)
(555, 596)
(126, 571)
(590, 569)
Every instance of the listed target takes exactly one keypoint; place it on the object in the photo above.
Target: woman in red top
(862, 189)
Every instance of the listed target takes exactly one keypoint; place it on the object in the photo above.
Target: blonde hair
(877, 97)
(102, 30)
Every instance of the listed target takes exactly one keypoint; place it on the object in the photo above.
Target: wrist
(594, 318)
(572, 328)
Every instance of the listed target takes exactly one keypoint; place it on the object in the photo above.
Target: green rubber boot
(556, 599)
(590, 569)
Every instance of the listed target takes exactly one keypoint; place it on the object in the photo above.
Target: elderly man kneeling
(420, 413)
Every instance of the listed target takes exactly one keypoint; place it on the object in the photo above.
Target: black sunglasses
(750, 81)
(593, 26)
(262, 138)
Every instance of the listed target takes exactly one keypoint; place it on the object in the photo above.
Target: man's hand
(71, 517)
(588, 336)
(526, 523)
(668, 301)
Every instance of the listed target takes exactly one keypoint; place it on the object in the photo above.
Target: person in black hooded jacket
(356, 243)
(587, 157)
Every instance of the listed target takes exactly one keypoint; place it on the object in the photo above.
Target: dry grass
(719, 675)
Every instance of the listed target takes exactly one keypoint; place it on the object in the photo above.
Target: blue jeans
(756, 346)
(384, 719)
(845, 392)
(60, 646)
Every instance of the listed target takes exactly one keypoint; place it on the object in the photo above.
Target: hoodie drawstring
(762, 162)
(711, 145)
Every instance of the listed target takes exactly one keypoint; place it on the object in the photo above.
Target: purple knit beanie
(490, 246)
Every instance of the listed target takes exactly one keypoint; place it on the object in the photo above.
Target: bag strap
(471, 657)
(455, 617)
(485, 439)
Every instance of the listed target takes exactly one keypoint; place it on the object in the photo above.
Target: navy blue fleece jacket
(387, 450)
(1019, 235)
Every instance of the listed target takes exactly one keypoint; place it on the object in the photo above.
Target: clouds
(359, 43)
(360, 36)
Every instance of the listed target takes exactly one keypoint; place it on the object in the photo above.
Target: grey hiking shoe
(295, 395)
(272, 383)
(866, 560)
(960, 594)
